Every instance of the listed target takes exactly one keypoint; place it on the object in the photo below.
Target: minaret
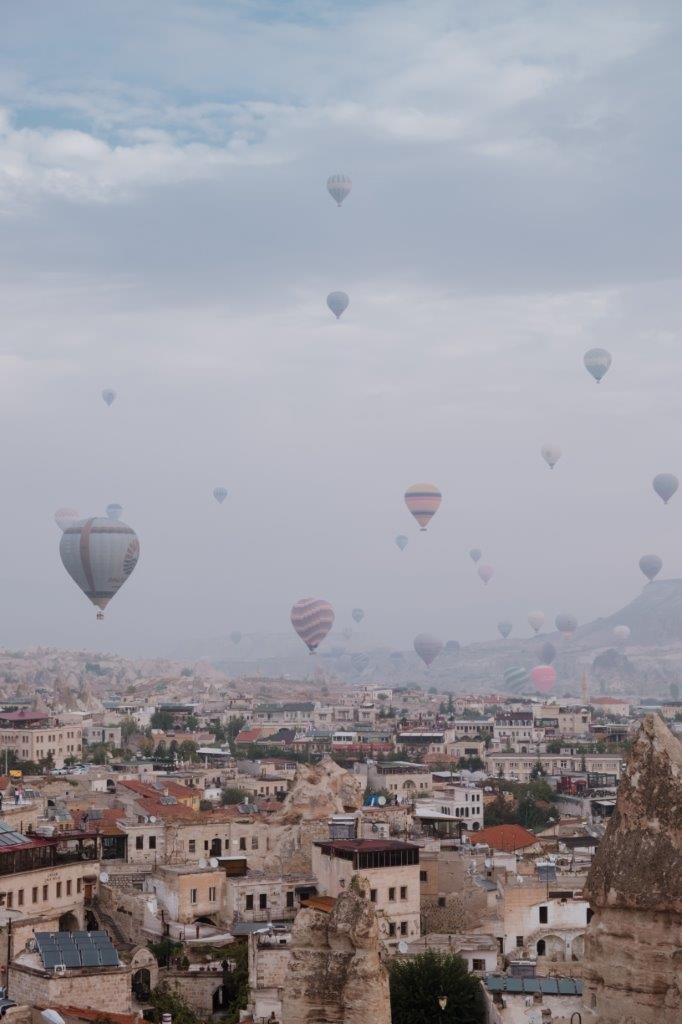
(585, 689)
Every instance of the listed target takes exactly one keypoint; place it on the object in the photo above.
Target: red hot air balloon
(544, 677)
(312, 619)
(486, 572)
(423, 501)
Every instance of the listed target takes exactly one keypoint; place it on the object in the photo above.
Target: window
(254, 842)
(192, 845)
(79, 884)
(249, 902)
(45, 893)
(403, 927)
(10, 899)
(403, 892)
(263, 901)
(139, 842)
(34, 894)
(242, 843)
(152, 842)
(391, 928)
(391, 893)
(290, 900)
(68, 887)
(519, 941)
(59, 890)
(193, 896)
(373, 895)
(423, 876)
(543, 915)
(211, 894)
(20, 897)
(477, 965)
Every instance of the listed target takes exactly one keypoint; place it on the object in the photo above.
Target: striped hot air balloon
(516, 677)
(428, 647)
(423, 501)
(99, 555)
(312, 618)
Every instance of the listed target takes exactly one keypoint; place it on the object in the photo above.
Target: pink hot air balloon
(544, 677)
(64, 517)
(486, 572)
(312, 619)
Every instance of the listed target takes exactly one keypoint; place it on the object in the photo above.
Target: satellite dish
(52, 1017)
(403, 947)
(152, 819)
(203, 863)
(104, 877)
(382, 801)
(213, 862)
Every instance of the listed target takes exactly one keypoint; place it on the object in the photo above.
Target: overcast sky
(165, 231)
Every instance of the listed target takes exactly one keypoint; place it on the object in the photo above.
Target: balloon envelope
(99, 555)
(651, 565)
(665, 485)
(235, 636)
(114, 510)
(338, 303)
(109, 395)
(64, 517)
(536, 621)
(505, 627)
(338, 186)
(312, 618)
(544, 677)
(515, 678)
(551, 453)
(452, 647)
(428, 647)
(547, 653)
(566, 623)
(423, 501)
(401, 540)
(358, 615)
(475, 554)
(597, 362)
(486, 572)
(220, 493)
(622, 633)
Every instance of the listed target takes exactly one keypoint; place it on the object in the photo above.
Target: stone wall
(89, 990)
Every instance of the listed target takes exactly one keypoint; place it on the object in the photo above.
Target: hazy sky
(165, 231)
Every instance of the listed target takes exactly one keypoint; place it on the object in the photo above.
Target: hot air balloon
(359, 662)
(551, 453)
(486, 572)
(220, 493)
(452, 647)
(114, 510)
(622, 633)
(338, 186)
(423, 501)
(597, 362)
(338, 303)
(650, 565)
(544, 677)
(358, 615)
(347, 634)
(235, 636)
(428, 647)
(566, 624)
(547, 653)
(504, 628)
(312, 619)
(665, 485)
(99, 555)
(515, 678)
(401, 540)
(536, 621)
(64, 517)
(109, 395)
(475, 554)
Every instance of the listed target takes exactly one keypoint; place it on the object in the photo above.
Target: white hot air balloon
(99, 554)
(338, 303)
(597, 362)
(622, 633)
(64, 517)
(551, 453)
(338, 186)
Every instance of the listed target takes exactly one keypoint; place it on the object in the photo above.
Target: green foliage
(537, 770)
(165, 950)
(416, 985)
(164, 1000)
(129, 728)
(233, 795)
(192, 723)
(162, 719)
(96, 753)
(473, 763)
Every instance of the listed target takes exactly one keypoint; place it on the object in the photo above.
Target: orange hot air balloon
(423, 501)
(312, 619)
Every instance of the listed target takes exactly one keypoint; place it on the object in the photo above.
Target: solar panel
(50, 958)
(100, 938)
(566, 987)
(89, 957)
(80, 936)
(514, 984)
(71, 957)
(109, 957)
(63, 938)
(549, 986)
(531, 984)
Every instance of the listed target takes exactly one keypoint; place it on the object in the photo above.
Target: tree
(162, 719)
(129, 727)
(233, 795)
(537, 771)
(166, 1001)
(417, 984)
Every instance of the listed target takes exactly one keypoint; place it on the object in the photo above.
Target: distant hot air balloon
(452, 647)
(114, 510)
(650, 565)
(423, 501)
(235, 636)
(64, 517)
(547, 653)
(536, 621)
(312, 619)
(516, 678)
(359, 661)
(597, 362)
(566, 624)
(551, 453)
(358, 615)
(544, 677)
(99, 555)
(402, 541)
(338, 303)
(504, 628)
(338, 186)
(475, 554)
(486, 572)
(109, 395)
(347, 634)
(220, 493)
(428, 647)
(622, 633)
(665, 485)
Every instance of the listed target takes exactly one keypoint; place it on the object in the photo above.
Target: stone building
(32, 736)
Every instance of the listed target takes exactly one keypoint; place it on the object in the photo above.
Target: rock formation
(633, 949)
(335, 972)
(319, 791)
